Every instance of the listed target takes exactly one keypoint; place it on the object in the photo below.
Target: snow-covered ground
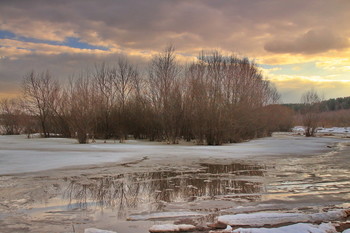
(341, 131)
(19, 154)
(337, 130)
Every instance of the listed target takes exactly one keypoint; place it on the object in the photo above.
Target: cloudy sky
(298, 44)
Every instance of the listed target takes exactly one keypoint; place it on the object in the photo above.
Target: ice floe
(162, 215)
(265, 218)
(295, 228)
(95, 230)
(172, 228)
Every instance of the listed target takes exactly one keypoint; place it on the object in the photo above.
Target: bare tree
(61, 114)
(164, 93)
(11, 116)
(310, 111)
(41, 95)
(106, 94)
(82, 107)
(196, 103)
(126, 76)
(225, 97)
(215, 100)
(139, 109)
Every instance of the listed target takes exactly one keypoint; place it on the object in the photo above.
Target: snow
(320, 130)
(162, 215)
(298, 129)
(95, 230)
(299, 228)
(19, 154)
(228, 229)
(346, 231)
(265, 218)
(338, 130)
(172, 228)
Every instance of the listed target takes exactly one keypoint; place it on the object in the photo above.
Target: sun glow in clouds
(298, 44)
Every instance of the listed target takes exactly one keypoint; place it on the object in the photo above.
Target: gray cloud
(253, 28)
(309, 43)
(204, 23)
(61, 67)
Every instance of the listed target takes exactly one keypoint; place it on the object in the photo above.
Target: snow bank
(337, 130)
(263, 218)
(298, 129)
(95, 230)
(320, 130)
(296, 228)
(172, 228)
(162, 215)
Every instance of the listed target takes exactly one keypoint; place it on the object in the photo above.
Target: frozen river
(19, 154)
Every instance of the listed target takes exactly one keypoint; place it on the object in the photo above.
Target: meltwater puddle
(146, 192)
(200, 191)
(136, 195)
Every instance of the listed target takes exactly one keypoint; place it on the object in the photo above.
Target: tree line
(214, 100)
(333, 104)
(314, 112)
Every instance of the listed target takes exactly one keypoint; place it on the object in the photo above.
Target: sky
(298, 44)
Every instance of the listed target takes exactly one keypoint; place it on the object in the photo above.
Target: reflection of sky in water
(302, 183)
(150, 190)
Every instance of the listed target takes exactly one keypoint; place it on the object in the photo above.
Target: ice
(296, 228)
(95, 230)
(19, 154)
(320, 130)
(172, 228)
(162, 215)
(338, 130)
(298, 129)
(265, 218)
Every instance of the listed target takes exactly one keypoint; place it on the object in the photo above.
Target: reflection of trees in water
(151, 189)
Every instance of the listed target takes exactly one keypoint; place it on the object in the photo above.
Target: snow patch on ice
(298, 129)
(95, 230)
(172, 228)
(296, 228)
(163, 215)
(320, 130)
(263, 218)
(342, 130)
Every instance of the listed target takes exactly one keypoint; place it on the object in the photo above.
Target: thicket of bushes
(215, 100)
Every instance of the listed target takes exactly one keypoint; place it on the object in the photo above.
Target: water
(150, 191)
(297, 183)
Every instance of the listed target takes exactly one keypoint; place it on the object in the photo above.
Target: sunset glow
(298, 44)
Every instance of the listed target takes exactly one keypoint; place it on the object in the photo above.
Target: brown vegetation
(310, 113)
(217, 99)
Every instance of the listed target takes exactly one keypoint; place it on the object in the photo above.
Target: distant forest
(322, 113)
(342, 103)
